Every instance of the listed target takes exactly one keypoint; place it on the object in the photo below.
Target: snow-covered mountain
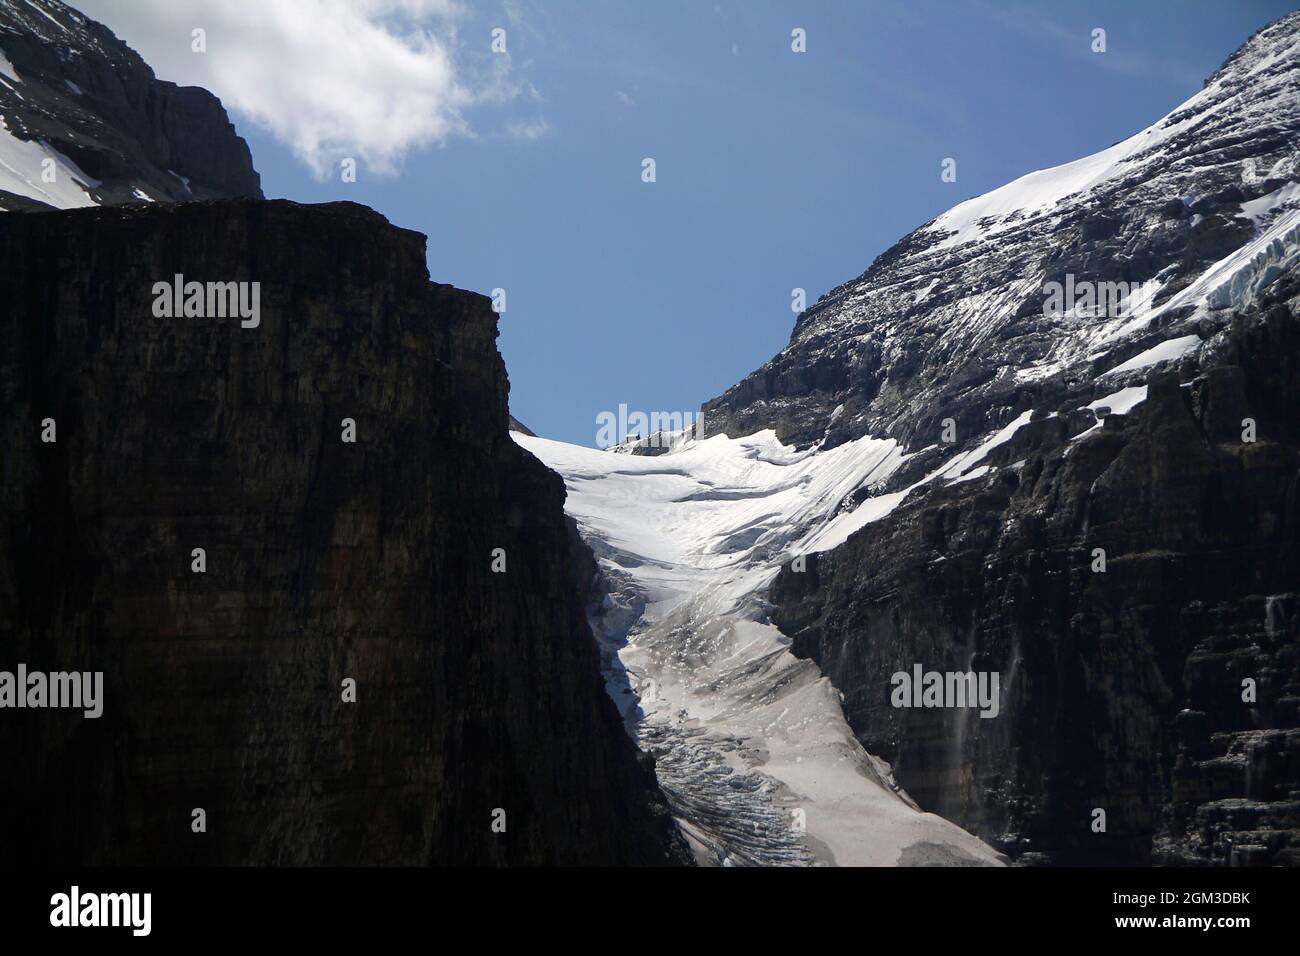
(1202, 207)
(927, 475)
(83, 121)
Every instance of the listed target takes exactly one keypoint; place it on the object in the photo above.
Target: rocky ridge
(950, 322)
(1161, 437)
(78, 104)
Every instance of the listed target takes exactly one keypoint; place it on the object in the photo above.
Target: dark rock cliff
(1121, 690)
(92, 99)
(325, 560)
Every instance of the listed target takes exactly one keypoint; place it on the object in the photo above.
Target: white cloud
(528, 131)
(369, 79)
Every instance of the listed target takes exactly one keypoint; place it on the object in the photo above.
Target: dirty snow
(745, 733)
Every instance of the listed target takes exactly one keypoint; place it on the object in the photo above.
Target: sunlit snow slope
(34, 170)
(751, 743)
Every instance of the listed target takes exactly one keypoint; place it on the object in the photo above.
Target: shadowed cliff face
(325, 560)
(1121, 690)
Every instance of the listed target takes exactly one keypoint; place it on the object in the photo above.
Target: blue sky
(774, 169)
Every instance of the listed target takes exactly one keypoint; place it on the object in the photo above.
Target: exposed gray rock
(1122, 690)
(934, 330)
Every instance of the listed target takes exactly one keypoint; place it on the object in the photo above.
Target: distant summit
(951, 323)
(84, 121)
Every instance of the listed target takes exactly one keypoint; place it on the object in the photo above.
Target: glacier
(751, 743)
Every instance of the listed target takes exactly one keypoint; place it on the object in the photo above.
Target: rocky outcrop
(517, 426)
(96, 109)
(428, 561)
(1122, 690)
(1122, 679)
(951, 321)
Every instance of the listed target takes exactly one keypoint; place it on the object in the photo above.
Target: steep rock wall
(1121, 690)
(326, 560)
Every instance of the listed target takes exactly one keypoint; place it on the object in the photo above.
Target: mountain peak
(953, 320)
(84, 121)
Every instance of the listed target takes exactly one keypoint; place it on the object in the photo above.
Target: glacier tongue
(751, 744)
